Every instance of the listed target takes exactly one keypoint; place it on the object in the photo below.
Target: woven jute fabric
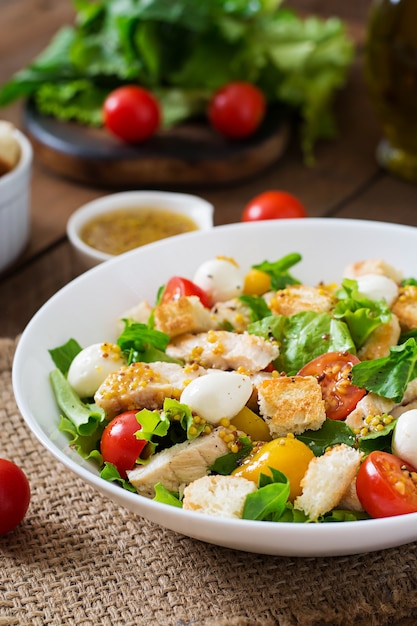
(78, 559)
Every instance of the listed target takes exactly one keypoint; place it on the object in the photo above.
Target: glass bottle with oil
(391, 75)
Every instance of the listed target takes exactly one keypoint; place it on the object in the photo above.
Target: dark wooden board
(189, 154)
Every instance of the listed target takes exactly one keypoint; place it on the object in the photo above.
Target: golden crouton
(380, 340)
(405, 307)
(373, 266)
(291, 404)
(185, 315)
(297, 298)
(327, 480)
(222, 496)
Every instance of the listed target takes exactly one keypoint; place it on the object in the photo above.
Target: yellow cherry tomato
(251, 424)
(286, 454)
(256, 283)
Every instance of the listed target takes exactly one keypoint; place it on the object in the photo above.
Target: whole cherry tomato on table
(333, 372)
(272, 205)
(14, 495)
(131, 113)
(237, 109)
(178, 286)
(119, 444)
(386, 485)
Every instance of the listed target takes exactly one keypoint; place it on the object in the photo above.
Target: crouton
(222, 496)
(185, 315)
(327, 479)
(379, 342)
(291, 404)
(405, 308)
(224, 350)
(372, 266)
(371, 404)
(9, 147)
(297, 298)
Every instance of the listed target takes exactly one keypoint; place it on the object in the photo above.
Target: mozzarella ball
(221, 278)
(404, 438)
(91, 367)
(378, 287)
(217, 395)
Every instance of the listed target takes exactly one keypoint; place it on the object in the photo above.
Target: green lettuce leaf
(64, 355)
(278, 270)
(331, 433)
(388, 376)
(138, 342)
(269, 501)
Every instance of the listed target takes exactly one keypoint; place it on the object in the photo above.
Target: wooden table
(345, 181)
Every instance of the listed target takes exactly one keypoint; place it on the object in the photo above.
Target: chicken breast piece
(224, 350)
(372, 266)
(232, 313)
(380, 340)
(371, 404)
(180, 465)
(144, 385)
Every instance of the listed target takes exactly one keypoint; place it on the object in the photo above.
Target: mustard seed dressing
(116, 232)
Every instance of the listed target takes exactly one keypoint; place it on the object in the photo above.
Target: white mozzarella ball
(217, 395)
(221, 278)
(91, 367)
(404, 438)
(378, 287)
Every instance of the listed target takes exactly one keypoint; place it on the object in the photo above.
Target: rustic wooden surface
(345, 181)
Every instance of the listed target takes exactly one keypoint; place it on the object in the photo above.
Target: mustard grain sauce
(119, 231)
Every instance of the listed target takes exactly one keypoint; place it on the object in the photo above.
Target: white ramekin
(15, 205)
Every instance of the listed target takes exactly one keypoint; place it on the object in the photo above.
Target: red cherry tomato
(131, 113)
(237, 109)
(273, 205)
(119, 444)
(333, 372)
(14, 495)
(178, 286)
(385, 487)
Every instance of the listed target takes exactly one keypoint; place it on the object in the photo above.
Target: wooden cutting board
(189, 154)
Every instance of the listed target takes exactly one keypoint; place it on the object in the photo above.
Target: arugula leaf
(269, 501)
(111, 473)
(361, 314)
(86, 418)
(303, 336)
(228, 462)
(388, 376)
(332, 432)
(166, 497)
(138, 342)
(64, 355)
(278, 270)
(257, 305)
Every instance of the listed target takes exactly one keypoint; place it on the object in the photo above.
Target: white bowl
(15, 205)
(86, 310)
(194, 207)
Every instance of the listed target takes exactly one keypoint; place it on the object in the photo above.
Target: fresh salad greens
(183, 51)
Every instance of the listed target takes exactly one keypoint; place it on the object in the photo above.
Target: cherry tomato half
(119, 444)
(131, 113)
(178, 286)
(14, 495)
(333, 372)
(385, 487)
(237, 109)
(273, 205)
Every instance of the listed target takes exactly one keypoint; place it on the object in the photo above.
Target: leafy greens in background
(183, 51)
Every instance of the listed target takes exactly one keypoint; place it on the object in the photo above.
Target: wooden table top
(345, 181)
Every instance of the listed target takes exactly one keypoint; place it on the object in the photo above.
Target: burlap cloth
(78, 559)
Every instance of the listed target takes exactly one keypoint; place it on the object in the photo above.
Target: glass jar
(391, 75)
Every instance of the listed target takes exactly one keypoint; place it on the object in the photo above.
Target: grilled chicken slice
(224, 350)
(144, 385)
(178, 466)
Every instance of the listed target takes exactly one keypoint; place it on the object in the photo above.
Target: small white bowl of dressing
(109, 226)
